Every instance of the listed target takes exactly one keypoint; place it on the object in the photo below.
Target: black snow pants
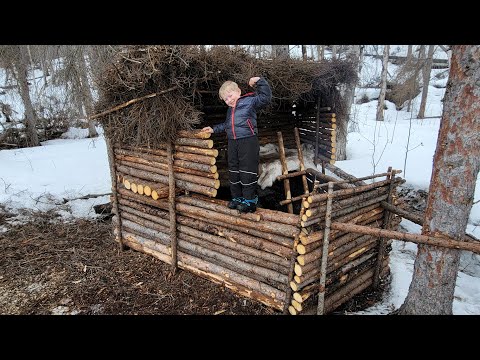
(243, 158)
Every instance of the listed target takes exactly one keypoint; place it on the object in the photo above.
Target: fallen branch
(130, 102)
(89, 196)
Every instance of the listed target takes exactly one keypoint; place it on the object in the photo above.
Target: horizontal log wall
(352, 258)
(269, 256)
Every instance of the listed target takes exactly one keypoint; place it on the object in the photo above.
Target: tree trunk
(321, 52)
(280, 51)
(418, 67)
(409, 53)
(427, 69)
(30, 119)
(383, 86)
(455, 170)
(86, 93)
(334, 51)
(354, 55)
(304, 52)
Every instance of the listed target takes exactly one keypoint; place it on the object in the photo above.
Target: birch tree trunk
(30, 119)
(383, 84)
(86, 93)
(354, 56)
(334, 51)
(455, 169)
(427, 69)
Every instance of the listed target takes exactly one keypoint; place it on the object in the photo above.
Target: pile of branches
(170, 84)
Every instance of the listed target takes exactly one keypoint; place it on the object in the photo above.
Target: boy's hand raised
(253, 80)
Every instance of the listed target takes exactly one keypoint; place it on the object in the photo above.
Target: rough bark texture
(455, 169)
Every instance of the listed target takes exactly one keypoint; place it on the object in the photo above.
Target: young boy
(243, 147)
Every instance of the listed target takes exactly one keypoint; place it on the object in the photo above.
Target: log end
(301, 259)
(298, 270)
(297, 305)
(301, 249)
(133, 187)
(297, 297)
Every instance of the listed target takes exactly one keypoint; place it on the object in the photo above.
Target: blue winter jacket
(241, 120)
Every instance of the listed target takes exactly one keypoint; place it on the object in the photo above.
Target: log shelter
(166, 182)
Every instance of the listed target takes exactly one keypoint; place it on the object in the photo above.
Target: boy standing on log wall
(243, 146)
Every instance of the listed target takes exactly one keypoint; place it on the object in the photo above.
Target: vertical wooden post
(317, 129)
(288, 294)
(323, 264)
(300, 159)
(286, 182)
(113, 175)
(386, 225)
(171, 205)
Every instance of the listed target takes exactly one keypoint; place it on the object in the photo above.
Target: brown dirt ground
(49, 266)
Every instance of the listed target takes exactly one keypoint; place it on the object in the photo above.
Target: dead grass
(49, 266)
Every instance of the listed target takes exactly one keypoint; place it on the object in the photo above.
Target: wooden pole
(113, 175)
(288, 294)
(440, 240)
(323, 265)
(317, 126)
(300, 159)
(171, 206)
(386, 224)
(286, 182)
(417, 219)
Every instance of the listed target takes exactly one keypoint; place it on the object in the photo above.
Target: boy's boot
(233, 204)
(248, 205)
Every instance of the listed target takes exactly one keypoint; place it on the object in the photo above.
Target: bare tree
(409, 53)
(304, 52)
(354, 54)
(86, 92)
(280, 51)
(413, 80)
(321, 52)
(334, 51)
(383, 84)
(21, 62)
(455, 169)
(427, 69)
